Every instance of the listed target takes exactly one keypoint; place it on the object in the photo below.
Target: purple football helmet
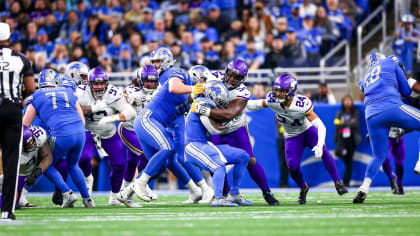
(98, 81)
(285, 82)
(29, 144)
(235, 73)
(148, 78)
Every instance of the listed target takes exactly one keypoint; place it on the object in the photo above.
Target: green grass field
(324, 214)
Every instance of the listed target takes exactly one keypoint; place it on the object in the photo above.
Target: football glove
(197, 90)
(317, 151)
(200, 109)
(31, 179)
(99, 106)
(109, 119)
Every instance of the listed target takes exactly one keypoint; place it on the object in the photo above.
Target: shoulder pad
(112, 94)
(40, 135)
(240, 92)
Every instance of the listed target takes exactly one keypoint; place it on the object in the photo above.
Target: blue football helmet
(218, 92)
(78, 72)
(164, 55)
(206, 102)
(66, 82)
(48, 78)
(199, 74)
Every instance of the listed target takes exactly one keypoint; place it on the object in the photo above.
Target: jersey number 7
(53, 96)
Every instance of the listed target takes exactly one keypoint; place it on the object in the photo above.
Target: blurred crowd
(119, 34)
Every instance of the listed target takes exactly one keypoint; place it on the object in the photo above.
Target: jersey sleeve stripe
(239, 97)
(309, 110)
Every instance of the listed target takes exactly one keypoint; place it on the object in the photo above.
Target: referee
(16, 82)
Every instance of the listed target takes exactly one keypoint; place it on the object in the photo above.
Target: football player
(235, 74)
(302, 128)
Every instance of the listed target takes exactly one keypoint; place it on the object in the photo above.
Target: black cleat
(5, 215)
(400, 190)
(302, 195)
(360, 197)
(394, 186)
(57, 197)
(340, 188)
(270, 199)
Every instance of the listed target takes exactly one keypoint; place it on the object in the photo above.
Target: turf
(324, 214)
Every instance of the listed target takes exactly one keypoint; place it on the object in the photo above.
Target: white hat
(4, 31)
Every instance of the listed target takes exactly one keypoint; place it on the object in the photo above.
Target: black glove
(367, 138)
(31, 179)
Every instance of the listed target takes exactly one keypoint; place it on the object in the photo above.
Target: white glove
(97, 141)
(317, 151)
(199, 109)
(99, 106)
(109, 119)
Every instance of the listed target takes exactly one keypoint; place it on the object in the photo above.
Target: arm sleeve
(403, 85)
(207, 124)
(123, 107)
(255, 105)
(322, 131)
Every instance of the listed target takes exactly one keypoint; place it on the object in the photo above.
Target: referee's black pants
(10, 140)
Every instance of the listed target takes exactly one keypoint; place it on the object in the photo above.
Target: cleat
(208, 195)
(113, 201)
(28, 205)
(341, 190)
(270, 199)
(194, 197)
(394, 186)
(401, 190)
(417, 168)
(150, 192)
(238, 199)
(7, 216)
(360, 197)
(127, 200)
(57, 197)
(88, 202)
(89, 184)
(141, 192)
(68, 199)
(222, 202)
(302, 195)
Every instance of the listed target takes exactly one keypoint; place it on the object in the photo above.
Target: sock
(125, 184)
(366, 185)
(399, 170)
(203, 185)
(386, 167)
(218, 180)
(79, 180)
(192, 187)
(143, 180)
(142, 163)
(258, 175)
(329, 164)
(128, 192)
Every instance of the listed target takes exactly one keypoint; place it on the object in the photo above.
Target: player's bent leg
(398, 152)
(386, 167)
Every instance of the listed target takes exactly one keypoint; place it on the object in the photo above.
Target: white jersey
(29, 161)
(138, 98)
(293, 117)
(241, 92)
(112, 98)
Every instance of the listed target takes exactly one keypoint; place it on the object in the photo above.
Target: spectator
(307, 8)
(228, 8)
(40, 62)
(92, 44)
(329, 32)
(268, 42)
(96, 58)
(294, 20)
(114, 47)
(255, 33)
(52, 27)
(137, 47)
(194, 17)
(168, 18)
(28, 6)
(106, 63)
(235, 30)
(182, 16)
(82, 11)
(125, 62)
(189, 45)
(347, 135)
(324, 95)
(91, 29)
(276, 57)
(152, 43)
(61, 12)
(258, 90)
(265, 20)
(76, 54)
(254, 58)
(337, 16)
(159, 29)
(71, 25)
(17, 46)
(182, 59)
(59, 55)
(406, 40)
(75, 41)
(43, 44)
(30, 37)
(295, 50)
(169, 38)
(16, 35)
(211, 58)
(349, 9)
(110, 30)
(146, 26)
(135, 14)
(202, 30)
(228, 53)
(216, 20)
(40, 12)
(281, 28)
(311, 38)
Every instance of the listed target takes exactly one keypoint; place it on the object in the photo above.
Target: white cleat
(89, 184)
(417, 168)
(208, 195)
(68, 199)
(88, 202)
(113, 201)
(141, 191)
(195, 196)
(127, 200)
(152, 194)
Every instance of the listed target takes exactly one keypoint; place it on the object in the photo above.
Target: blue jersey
(195, 130)
(166, 106)
(56, 108)
(383, 86)
(166, 75)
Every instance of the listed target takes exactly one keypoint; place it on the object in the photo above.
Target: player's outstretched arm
(127, 112)
(29, 116)
(255, 105)
(322, 132)
(233, 109)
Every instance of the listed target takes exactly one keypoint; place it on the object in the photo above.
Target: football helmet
(148, 78)
(98, 81)
(235, 73)
(199, 74)
(48, 78)
(164, 55)
(218, 92)
(285, 82)
(78, 72)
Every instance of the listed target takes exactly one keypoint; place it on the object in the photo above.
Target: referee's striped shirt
(14, 66)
